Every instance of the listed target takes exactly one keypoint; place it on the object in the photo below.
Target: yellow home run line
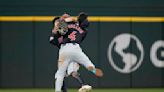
(91, 19)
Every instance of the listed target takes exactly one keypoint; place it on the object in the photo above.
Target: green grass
(94, 90)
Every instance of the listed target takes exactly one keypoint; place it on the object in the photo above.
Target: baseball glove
(62, 27)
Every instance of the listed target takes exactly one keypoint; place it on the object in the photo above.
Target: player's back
(75, 34)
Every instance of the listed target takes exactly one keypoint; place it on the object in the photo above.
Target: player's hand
(65, 15)
(67, 18)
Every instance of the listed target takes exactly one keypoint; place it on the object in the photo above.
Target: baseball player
(72, 69)
(70, 51)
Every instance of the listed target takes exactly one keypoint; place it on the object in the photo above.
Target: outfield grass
(94, 90)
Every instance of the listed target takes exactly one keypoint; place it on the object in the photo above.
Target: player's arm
(53, 39)
(83, 23)
(54, 34)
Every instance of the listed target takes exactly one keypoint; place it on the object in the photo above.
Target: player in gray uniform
(73, 67)
(70, 50)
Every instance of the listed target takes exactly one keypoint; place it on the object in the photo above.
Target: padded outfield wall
(126, 40)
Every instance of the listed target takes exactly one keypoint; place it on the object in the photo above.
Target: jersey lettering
(72, 36)
(76, 27)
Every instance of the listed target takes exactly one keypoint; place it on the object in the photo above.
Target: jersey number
(72, 36)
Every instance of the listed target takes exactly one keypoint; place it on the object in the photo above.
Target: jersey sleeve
(53, 39)
(84, 25)
(83, 20)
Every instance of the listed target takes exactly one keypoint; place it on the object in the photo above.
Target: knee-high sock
(64, 87)
(76, 75)
(58, 84)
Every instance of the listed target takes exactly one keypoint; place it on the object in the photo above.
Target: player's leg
(64, 87)
(60, 74)
(76, 75)
(73, 71)
(81, 58)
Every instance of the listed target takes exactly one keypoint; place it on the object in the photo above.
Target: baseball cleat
(85, 88)
(99, 72)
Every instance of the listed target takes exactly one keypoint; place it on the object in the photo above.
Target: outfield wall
(28, 60)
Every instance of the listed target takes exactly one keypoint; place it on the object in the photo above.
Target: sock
(64, 87)
(76, 75)
(93, 71)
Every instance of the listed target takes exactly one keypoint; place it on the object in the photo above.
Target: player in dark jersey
(70, 50)
(73, 67)
(78, 29)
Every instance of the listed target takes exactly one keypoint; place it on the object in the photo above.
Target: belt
(69, 43)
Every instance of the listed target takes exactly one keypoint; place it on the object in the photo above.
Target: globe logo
(157, 60)
(125, 53)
